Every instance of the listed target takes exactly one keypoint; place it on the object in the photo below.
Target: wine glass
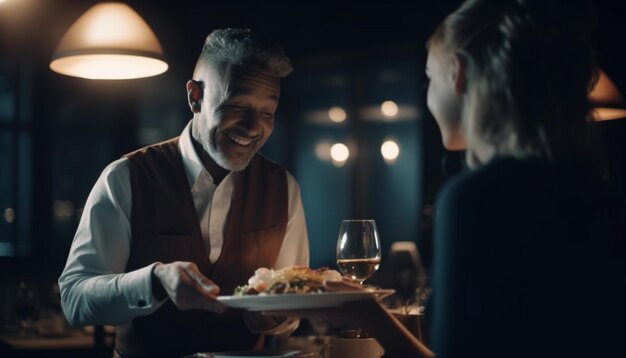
(358, 249)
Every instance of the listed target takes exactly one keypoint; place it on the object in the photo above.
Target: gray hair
(244, 47)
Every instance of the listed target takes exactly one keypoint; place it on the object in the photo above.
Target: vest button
(141, 303)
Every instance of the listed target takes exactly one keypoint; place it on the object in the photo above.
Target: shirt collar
(191, 162)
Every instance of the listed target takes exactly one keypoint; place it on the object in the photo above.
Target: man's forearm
(107, 299)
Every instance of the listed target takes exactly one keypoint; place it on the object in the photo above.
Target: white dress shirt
(95, 290)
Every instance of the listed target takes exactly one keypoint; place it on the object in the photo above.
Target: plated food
(293, 279)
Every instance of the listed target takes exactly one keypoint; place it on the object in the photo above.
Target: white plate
(298, 301)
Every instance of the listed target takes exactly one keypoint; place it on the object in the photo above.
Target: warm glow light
(606, 99)
(322, 151)
(63, 209)
(607, 114)
(389, 109)
(337, 114)
(390, 150)
(111, 67)
(109, 41)
(339, 152)
(9, 213)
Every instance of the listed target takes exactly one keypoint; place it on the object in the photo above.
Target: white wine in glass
(358, 249)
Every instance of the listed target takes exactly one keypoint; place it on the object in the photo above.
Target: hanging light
(110, 41)
(607, 102)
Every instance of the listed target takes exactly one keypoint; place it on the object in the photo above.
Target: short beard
(207, 140)
(220, 158)
(209, 144)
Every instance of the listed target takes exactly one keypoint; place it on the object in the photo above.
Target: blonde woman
(526, 259)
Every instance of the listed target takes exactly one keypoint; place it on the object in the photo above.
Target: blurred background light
(9, 213)
(63, 209)
(322, 151)
(337, 114)
(340, 153)
(389, 109)
(390, 150)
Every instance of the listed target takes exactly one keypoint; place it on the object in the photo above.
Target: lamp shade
(109, 41)
(606, 99)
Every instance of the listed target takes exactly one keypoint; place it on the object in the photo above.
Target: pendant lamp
(606, 99)
(109, 42)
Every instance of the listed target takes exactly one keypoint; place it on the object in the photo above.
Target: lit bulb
(339, 152)
(389, 109)
(390, 150)
(337, 114)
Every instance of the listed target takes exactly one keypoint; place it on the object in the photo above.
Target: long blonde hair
(529, 68)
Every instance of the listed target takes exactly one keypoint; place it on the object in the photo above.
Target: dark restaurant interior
(358, 83)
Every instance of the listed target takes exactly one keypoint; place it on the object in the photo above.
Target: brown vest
(165, 228)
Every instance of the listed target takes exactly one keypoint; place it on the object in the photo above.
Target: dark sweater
(527, 263)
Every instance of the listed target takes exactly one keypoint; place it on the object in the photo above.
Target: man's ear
(194, 95)
(458, 67)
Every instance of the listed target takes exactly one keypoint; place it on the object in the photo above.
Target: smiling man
(169, 227)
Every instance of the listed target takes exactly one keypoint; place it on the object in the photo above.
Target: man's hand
(187, 287)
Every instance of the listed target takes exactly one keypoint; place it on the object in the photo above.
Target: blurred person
(527, 259)
(169, 227)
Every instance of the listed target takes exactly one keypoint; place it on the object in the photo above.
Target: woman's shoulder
(482, 180)
(532, 181)
(507, 178)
